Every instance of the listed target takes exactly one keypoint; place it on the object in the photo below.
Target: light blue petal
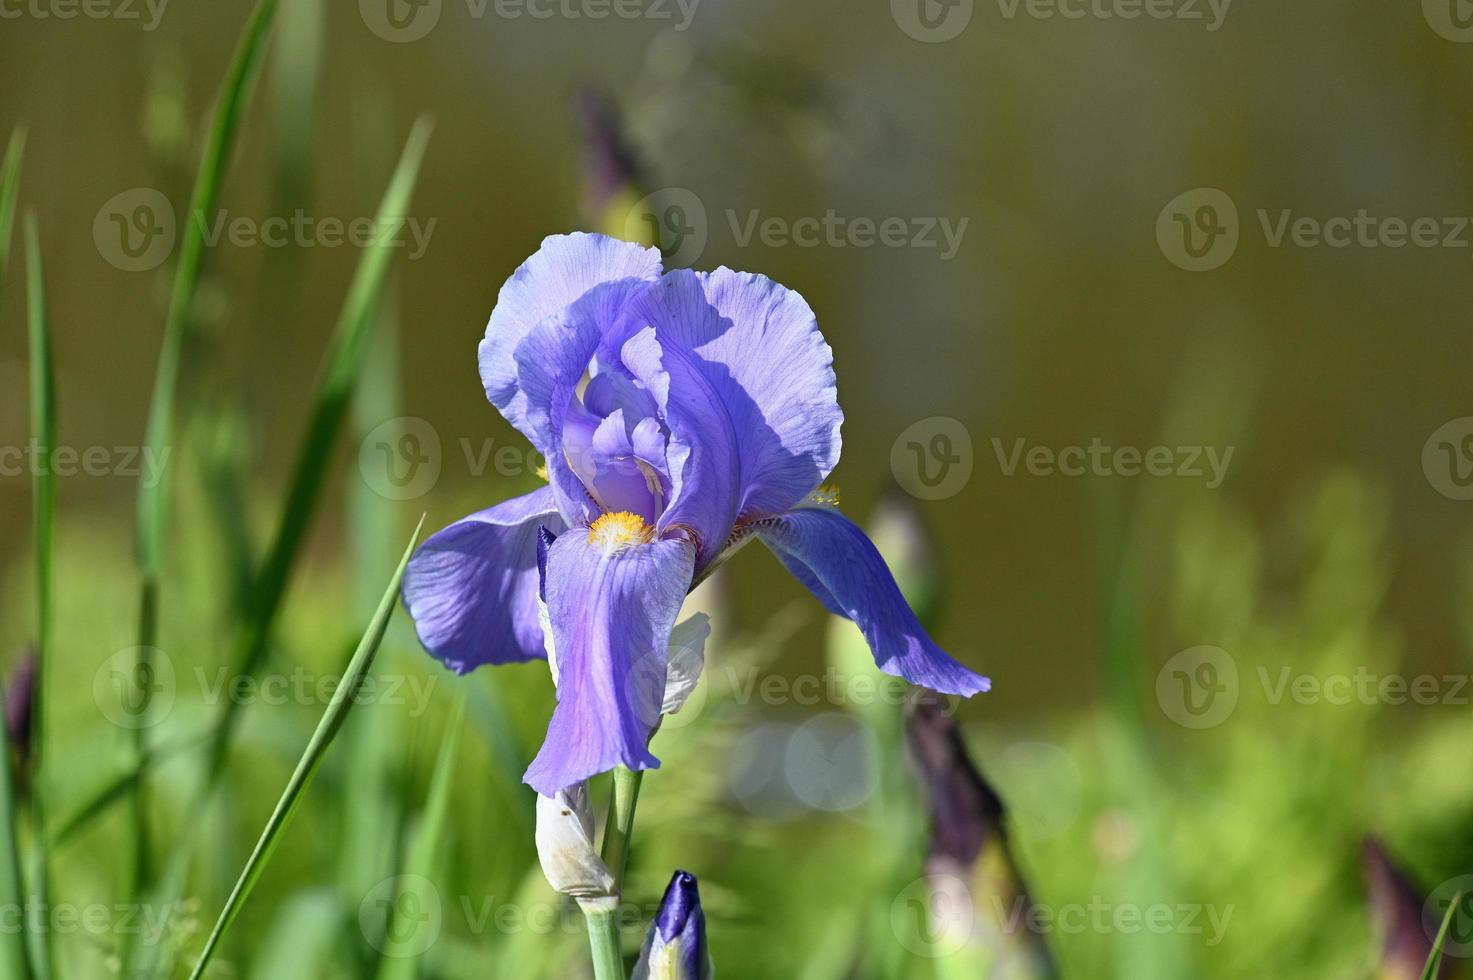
(588, 276)
(611, 617)
(746, 384)
(472, 587)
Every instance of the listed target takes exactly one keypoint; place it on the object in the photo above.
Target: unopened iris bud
(611, 173)
(675, 948)
(565, 845)
(1397, 916)
(968, 864)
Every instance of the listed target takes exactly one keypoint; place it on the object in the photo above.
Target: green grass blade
(229, 110)
(43, 435)
(327, 729)
(344, 364)
(1434, 960)
(224, 127)
(343, 361)
(427, 847)
(99, 800)
(9, 187)
(14, 957)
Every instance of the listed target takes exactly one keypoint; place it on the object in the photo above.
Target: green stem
(603, 938)
(620, 826)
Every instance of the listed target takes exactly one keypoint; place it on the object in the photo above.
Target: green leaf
(14, 957)
(330, 405)
(43, 436)
(344, 363)
(9, 186)
(327, 729)
(427, 846)
(230, 108)
(1434, 960)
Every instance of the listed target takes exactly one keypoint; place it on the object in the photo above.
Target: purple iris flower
(681, 414)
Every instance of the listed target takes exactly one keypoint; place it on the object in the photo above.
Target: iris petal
(833, 557)
(746, 384)
(586, 276)
(472, 587)
(611, 615)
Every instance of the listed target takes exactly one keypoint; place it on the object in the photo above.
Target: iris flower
(681, 414)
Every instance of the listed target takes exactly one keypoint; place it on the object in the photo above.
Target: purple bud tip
(545, 538)
(20, 692)
(681, 903)
(965, 811)
(1397, 913)
(608, 161)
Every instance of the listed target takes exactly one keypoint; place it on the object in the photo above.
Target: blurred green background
(1333, 544)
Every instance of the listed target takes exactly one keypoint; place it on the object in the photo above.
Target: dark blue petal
(472, 587)
(834, 558)
(675, 948)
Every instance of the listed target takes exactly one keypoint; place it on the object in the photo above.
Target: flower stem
(620, 826)
(603, 938)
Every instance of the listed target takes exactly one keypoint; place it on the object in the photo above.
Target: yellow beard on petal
(614, 532)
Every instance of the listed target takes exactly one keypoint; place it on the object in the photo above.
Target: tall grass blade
(153, 494)
(327, 729)
(14, 957)
(1434, 959)
(234, 95)
(427, 846)
(9, 186)
(344, 363)
(43, 436)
